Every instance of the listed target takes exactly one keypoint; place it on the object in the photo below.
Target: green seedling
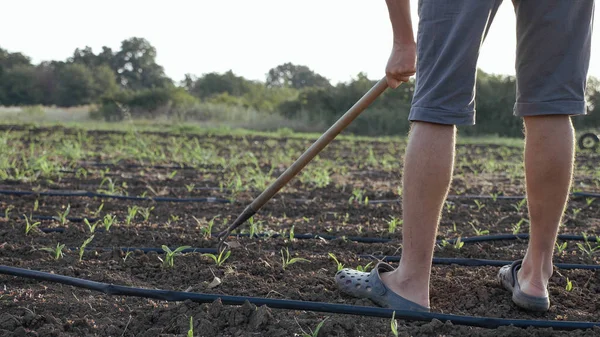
(129, 252)
(287, 261)
(131, 213)
(92, 228)
(394, 324)
(191, 330)
(494, 196)
(458, 244)
(478, 231)
(393, 224)
(569, 286)
(190, 187)
(96, 213)
(516, 228)
(219, 259)
(586, 247)
(518, 206)
(56, 252)
(7, 211)
(365, 268)
(36, 205)
(62, 217)
(589, 201)
(172, 174)
(291, 236)
(174, 217)
(576, 212)
(560, 248)
(450, 206)
(108, 221)
(479, 204)
(207, 230)
(29, 225)
(83, 245)
(339, 266)
(316, 332)
(170, 255)
(145, 212)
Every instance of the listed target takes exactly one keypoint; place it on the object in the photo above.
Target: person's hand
(401, 64)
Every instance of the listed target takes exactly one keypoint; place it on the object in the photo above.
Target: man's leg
(427, 175)
(549, 158)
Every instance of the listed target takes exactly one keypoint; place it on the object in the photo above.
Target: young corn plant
(62, 217)
(145, 212)
(569, 286)
(516, 228)
(57, 252)
(219, 259)
(190, 332)
(586, 247)
(394, 324)
(314, 333)
(36, 205)
(288, 261)
(393, 224)
(589, 201)
(560, 248)
(478, 231)
(339, 266)
(108, 221)
(206, 230)
(83, 245)
(91, 227)
(29, 224)
(364, 268)
(131, 213)
(168, 261)
(479, 204)
(458, 244)
(518, 206)
(7, 211)
(96, 213)
(190, 187)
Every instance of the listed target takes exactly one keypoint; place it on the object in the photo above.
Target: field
(351, 190)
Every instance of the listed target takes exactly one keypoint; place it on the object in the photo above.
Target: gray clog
(369, 285)
(508, 279)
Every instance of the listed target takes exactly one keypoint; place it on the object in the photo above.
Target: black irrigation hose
(112, 196)
(168, 295)
(436, 260)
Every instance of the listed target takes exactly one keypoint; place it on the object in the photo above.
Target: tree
(295, 76)
(136, 66)
(18, 86)
(76, 85)
(214, 84)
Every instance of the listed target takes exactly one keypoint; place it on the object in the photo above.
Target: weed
(29, 225)
(219, 259)
(170, 255)
(83, 245)
(56, 252)
(287, 261)
(338, 264)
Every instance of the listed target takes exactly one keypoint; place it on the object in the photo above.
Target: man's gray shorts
(552, 57)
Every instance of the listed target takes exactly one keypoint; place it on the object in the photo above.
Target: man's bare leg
(549, 160)
(428, 167)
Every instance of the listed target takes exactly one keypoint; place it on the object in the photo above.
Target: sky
(336, 38)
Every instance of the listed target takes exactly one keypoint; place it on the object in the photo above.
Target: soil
(34, 308)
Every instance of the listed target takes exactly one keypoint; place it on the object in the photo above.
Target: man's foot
(370, 285)
(508, 278)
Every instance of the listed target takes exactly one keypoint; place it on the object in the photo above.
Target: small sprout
(516, 228)
(519, 205)
(363, 269)
(36, 205)
(190, 187)
(479, 204)
(458, 244)
(494, 196)
(92, 228)
(478, 231)
(339, 265)
(7, 211)
(170, 255)
(129, 252)
(206, 230)
(145, 212)
(316, 332)
(589, 201)
(96, 213)
(83, 245)
(174, 217)
(62, 217)
(287, 261)
(131, 213)
(587, 247)
(219, 259)
(56, 252)
(576, 212)
(393, 224)
(561, 248)
(172, 174)
(191, 330)
(108, 221)
(28, 225)
(569, 286)
(292, 233)
(394, 324)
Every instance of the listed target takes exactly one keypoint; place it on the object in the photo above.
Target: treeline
(129, 82)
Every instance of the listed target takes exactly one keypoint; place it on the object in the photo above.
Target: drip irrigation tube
(168, 295)
(61, 193)
(436, 260)
(112, 196)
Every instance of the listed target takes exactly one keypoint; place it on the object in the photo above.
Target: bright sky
(336, 38)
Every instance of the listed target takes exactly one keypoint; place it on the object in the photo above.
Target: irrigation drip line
(112, 196)
(169, 295)
(467, 262)
(226, 201)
